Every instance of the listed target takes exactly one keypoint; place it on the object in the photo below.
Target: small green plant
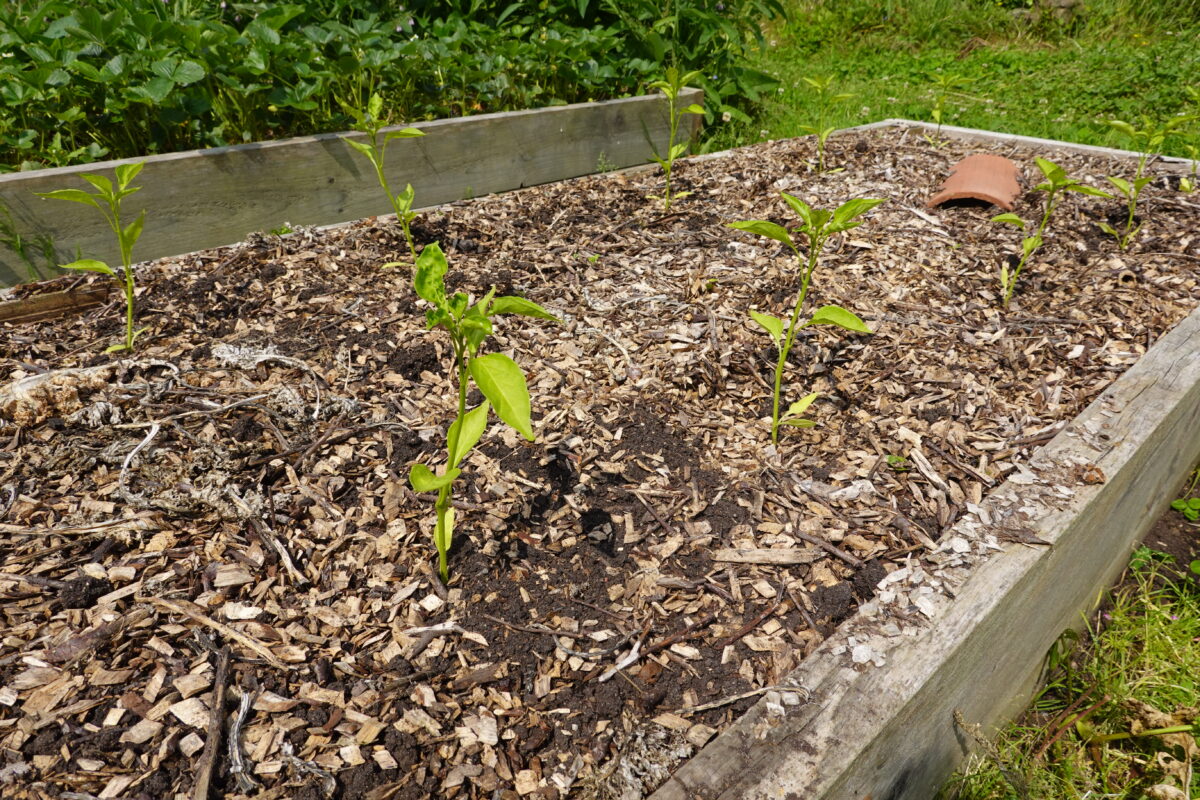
(672, 86)
(371, 121)
(826, 97)
(1187, 184)
(1054, 186)
(946, 84)
(817, 225)
(1188, 504)
(282, 230)
(127, 235)
(1147, 141)
(898, 463)
(495, 375)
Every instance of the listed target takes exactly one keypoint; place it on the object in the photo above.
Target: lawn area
(1047, 78)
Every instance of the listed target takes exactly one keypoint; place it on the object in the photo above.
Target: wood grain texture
(207, 198)
(53, 304)
(888, 733)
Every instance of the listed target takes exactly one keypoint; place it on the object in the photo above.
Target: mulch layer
(214, 573)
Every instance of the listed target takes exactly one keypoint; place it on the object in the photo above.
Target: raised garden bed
(239, 483)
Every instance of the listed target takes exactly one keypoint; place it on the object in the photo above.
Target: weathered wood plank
(888, 733)
(208, 198)
(52, 304)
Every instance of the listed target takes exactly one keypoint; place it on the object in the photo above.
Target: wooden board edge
(52, 304)
(888, 733)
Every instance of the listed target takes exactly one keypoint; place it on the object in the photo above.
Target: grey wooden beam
(207, 198)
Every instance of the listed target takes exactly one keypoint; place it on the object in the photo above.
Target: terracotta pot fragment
(981, 177)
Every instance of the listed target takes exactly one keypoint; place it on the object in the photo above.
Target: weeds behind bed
(1138, 673)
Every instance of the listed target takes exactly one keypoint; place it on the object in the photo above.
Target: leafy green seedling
(1188, 505)
(817, 225)
(672, 86)
(1147, 141)
(898, 463)
(370, 122)
(826, 97)
(945, 85)
(1054, 186)
(1187, 184)
(495, 375)
(127, 235)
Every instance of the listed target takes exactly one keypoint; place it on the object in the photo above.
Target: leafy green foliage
(107, 200)
(1057, 182)
(123, 78)
(826, 97)
(1147, 140)
(371, 121)
(496, 376)
(1187, 504)
(816, 226)
(671, 87)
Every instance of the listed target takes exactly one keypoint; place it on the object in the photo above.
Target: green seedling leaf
(764, 228)
(1029, 244)
(465, 432)
(1052, 171)
(693, 109)
(74, 195)
(1109, 229)
(519, 305)
(836, 315)
(802, 209)
(127, 172)
(772, 325)
(403, 133)
(90, 265)
(1195, 566)
(1122, 185)
(365, 148)
(1179, 504)
(1089, 190)
(800, 406)
(854, 208)
(428, 279)
(1194, 503)
(1010, 219)
(102, 184)
(503, 384)
(798, 422)
(133, 231)
(1123, 127)
(423, 479)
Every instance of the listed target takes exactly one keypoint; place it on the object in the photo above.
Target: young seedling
(817, 225)
(826, 97)
(107, 200)
(672, 86)
(945, 85)
(1147, 141)
(1188, 504)
(1054, 186)
(1187, 184)
(371, 121)
(495, 375)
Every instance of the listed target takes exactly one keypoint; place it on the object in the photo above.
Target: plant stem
(445, 494)
(814, 246)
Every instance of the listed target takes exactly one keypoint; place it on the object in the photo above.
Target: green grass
(1141, 668)
(1122, 60)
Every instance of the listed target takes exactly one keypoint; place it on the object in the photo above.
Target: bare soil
(240, 482)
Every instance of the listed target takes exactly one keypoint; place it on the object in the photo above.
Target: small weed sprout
(1187, 184)
(370, 122)
(1055, 185)
(826, 97)
(817, 225)
(496, 375)
(672, 86)
(106, 195)
(946, 84)
(1188, 504)
(1147, 141)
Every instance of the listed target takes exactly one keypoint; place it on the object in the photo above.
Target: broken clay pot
(981, 177)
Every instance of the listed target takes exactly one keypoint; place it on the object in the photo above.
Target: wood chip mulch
(215, 579)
